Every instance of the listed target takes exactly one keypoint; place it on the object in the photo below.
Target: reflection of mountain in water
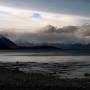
(5, 43)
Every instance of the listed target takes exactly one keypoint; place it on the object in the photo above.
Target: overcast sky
(72, 7)
(38, 13)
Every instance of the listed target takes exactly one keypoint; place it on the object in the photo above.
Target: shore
(11, 77)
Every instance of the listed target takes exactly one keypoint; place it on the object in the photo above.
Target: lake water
(65, 63)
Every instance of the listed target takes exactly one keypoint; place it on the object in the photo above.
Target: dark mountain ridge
(38, 47)
(5, 43)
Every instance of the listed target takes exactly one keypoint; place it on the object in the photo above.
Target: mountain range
(5, 43)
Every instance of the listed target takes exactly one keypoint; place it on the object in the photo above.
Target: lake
(66, 63)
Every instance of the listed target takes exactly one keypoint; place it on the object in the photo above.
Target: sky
(33, 14)
(41, 21)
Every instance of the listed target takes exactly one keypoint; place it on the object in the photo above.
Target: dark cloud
(73, 7)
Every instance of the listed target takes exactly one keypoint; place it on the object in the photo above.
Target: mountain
(5, 43)
(76, 46)
(38, 47)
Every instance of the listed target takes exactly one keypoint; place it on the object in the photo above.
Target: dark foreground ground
(17, 80)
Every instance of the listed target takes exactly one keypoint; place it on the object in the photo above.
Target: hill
(38, 47)
(5, 43)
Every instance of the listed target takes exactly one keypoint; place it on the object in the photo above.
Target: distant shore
(46, 52)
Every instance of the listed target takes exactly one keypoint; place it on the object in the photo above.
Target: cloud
(51, 34)
(3, 13)
(20, 18)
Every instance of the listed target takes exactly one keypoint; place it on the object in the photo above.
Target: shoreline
(60, 70)
(16, 79)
